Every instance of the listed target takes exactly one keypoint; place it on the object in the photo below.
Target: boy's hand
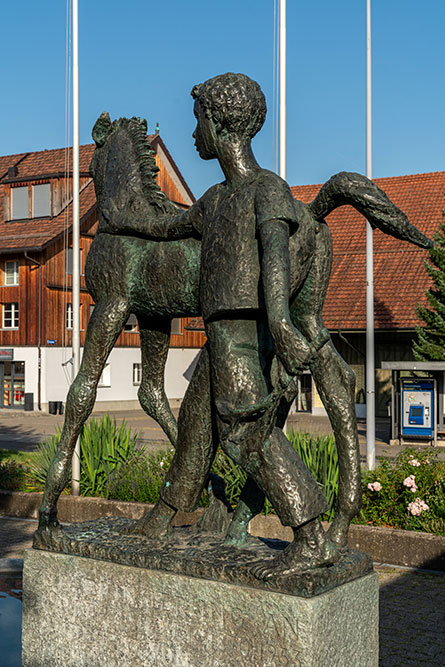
(293, 349)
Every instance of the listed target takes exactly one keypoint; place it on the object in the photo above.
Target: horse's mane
(135, 130)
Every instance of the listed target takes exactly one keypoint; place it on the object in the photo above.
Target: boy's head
(233, 102)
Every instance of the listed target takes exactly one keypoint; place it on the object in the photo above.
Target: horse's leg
(104, 327)
(335, 382)
(155, 342)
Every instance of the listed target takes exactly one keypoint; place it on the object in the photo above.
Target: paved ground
(412, 610)
(24, 430)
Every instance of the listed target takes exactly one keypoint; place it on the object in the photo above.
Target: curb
(385, 545)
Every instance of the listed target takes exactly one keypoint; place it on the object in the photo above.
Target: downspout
(39, 334)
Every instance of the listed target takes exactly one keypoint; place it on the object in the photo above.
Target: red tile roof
(400, 279)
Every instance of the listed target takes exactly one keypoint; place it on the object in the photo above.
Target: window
(41, 200)
(176, 326)
(69, 261)
(105, 378)
(69, 316)
(11, 273)
(19, 203)
(131, 324)
(137, 373)
(10, 316)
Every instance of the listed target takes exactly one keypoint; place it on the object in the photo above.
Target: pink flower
(417, 507)
(409, 481)
(415, 463)
(374, 486)
(413, 489)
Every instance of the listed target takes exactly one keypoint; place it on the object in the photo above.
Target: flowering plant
(394, 495)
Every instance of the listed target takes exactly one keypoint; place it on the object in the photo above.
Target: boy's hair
(234, 101)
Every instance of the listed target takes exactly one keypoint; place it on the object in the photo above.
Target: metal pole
(76, 232)
(282, 103)
(370, 360)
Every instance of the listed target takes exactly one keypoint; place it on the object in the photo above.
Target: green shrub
(319, 454)
(12, 476)
(103, 449)
(139, 478)
(407, 492)
(42, 458)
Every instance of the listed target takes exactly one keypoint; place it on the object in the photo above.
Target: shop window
(11, 273)
(10, 316)
(137, 374)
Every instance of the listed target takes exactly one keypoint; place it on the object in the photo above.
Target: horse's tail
(370, 201)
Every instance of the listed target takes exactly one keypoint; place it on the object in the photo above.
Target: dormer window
(19, 203)
(41, 200)
(31, 201)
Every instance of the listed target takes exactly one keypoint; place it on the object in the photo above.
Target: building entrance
(12, 384)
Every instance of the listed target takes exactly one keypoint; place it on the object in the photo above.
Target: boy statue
(252, 348)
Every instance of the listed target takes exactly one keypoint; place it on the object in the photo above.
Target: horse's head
(123, 167)
(101, 130)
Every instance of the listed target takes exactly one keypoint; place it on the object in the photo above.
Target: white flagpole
(282, 102)
(76, 233)
(370, 360)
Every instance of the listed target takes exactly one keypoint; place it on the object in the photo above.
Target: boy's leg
(241, 356)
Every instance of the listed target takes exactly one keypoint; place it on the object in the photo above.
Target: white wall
(56, 374)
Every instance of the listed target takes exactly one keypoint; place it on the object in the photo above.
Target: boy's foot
(156, 523)
(338, 530)
(310, 549)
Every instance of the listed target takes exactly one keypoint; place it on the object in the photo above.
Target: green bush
(42, 458)
(319, 454)
(407, 492)
(140, 478)
(12, 476)
(103, 449)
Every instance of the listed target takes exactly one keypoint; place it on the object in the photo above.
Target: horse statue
(127, 272)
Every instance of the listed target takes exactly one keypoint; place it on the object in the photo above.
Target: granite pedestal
(85, 611)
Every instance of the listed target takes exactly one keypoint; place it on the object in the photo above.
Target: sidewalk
(412, 613)
(24, 430)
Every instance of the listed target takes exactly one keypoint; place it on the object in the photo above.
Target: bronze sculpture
(265, 263)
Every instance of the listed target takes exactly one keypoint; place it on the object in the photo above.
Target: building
(400, 281)
(36, 278)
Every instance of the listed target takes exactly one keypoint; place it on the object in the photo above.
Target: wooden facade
(41, 248)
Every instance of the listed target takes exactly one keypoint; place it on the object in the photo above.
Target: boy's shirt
(227, 221)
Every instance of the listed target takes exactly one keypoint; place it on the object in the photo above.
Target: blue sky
(142, 58)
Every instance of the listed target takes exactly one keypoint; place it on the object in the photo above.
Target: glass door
(12, 384)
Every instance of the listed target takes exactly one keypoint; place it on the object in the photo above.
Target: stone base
(80, 612)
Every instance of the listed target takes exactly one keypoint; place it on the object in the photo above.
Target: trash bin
(29, 402)
(60, 407)
(52, 407)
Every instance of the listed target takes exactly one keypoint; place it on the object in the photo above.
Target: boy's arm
(138, 218)
(293, 349)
